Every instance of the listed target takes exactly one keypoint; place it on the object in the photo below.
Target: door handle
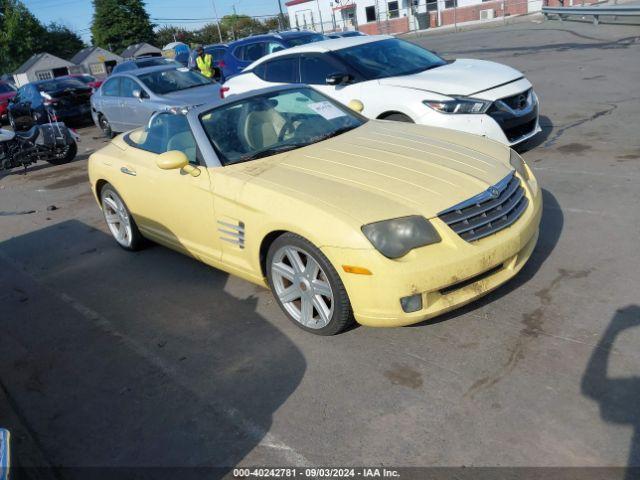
(128, 171)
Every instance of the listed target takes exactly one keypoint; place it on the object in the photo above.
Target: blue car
(244, 52)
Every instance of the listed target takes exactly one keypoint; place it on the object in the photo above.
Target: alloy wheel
(302, 287)
(117, 217)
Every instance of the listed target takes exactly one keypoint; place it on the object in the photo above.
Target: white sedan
(397, 80)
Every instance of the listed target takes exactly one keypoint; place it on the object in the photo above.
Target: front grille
(489, 212)
(517, 101)
(514, 133)
(517, 115)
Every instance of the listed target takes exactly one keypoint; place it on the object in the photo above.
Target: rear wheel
(64, 154)
(398, 117)
(307, 287)
(105, 126)
(119, 220)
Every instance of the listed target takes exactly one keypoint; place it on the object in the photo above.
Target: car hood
(461, 77)
(386, 170)
(194, 96)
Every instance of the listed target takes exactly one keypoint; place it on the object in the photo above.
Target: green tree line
(231, 27)
(22, 35)
(116, 25)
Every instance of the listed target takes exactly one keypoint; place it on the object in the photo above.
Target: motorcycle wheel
(64, 155)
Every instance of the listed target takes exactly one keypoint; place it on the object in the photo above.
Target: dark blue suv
(244, 52)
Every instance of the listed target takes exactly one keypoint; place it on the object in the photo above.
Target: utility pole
(235, 19)
(320, 15)
(281, 16)
(215, 13)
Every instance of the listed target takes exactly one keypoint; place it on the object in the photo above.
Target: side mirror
(171, 160)
(338, 78)
(356, 106)
(139, 94)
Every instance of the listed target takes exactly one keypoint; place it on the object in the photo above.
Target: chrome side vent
(232, 232)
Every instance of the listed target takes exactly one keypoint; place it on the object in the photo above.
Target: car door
(170, 206)
(314, 69)
(109, 104)
(135, 111)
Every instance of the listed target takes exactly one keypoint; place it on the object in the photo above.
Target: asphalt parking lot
(150, 358)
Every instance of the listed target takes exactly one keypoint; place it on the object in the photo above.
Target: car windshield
(304, 39)
(389, 58)
(167, 81)
(6, 88)
(61, 84)
(275, 122)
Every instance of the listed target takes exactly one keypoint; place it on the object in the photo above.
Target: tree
(209, 34)
(120, 23)
(62, 41)
(21, 35)
(167, 34)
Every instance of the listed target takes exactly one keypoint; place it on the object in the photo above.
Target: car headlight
(459, 105)
(517, 163)
(397, 237)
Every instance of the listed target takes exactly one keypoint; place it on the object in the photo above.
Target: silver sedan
(127, 100)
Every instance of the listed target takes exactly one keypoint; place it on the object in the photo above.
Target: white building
(400, 16)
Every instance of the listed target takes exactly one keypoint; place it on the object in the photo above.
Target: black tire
(398, 117)
(67, 157)
(342, 315)
(137, 240)
(105, 126)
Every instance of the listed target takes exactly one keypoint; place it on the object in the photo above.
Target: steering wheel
(286, 128)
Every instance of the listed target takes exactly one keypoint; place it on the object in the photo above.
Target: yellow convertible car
(341, 217)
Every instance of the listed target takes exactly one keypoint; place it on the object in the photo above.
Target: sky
(190, 14)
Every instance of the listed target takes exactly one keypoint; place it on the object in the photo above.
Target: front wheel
(307, 287)
(105, 126)
(64, 154)
(119, 220)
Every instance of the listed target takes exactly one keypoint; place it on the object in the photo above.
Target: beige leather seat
(260, 128)
(183, 142)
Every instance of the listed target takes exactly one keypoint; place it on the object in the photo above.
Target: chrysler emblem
(494, 192)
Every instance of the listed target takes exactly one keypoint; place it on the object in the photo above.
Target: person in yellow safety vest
(204, 62)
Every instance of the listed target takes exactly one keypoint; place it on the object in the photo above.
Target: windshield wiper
(335, 133)
(272, 151)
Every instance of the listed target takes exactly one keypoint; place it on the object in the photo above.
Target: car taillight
(223, 90)
(221, 64)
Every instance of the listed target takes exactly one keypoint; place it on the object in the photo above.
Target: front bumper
(447, 275)
(487, 126)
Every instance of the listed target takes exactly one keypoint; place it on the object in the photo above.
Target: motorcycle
(52, 142)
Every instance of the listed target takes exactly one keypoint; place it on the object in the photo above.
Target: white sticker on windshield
(327, 110)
